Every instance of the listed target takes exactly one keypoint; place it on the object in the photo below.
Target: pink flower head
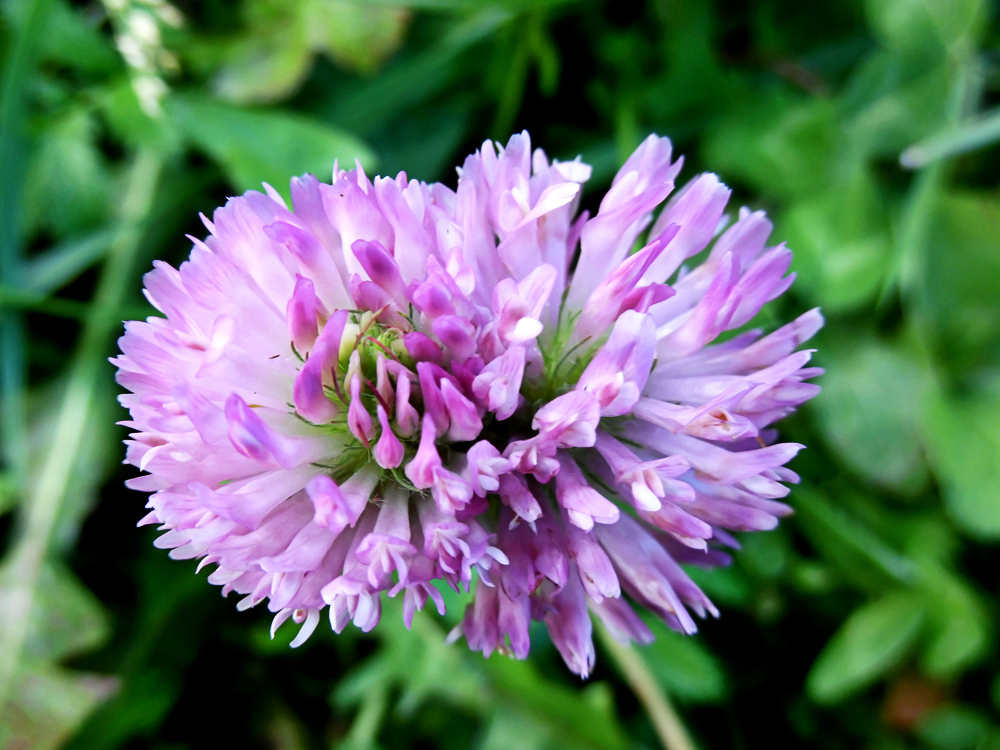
(390, 384)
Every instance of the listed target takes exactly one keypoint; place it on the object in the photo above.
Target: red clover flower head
(392, 386)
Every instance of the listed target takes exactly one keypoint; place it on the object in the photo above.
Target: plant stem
(669, 727)
(365, 729)
(42, 509)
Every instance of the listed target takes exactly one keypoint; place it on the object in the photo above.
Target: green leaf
(67, 618)
(695, 83)
(466, 5)
(959, 23)
(957, 292)
(683, 665)
(873, 640)
(255, 146)
(765, 554)
(584, 719)
(784, 146)
(143, 702)
(270, 61)
(868, 409)
(423, 143)
(357, 35)
(155, 653)
(959, 627)
(512, 728)
(905, 26)
(8, 492)
(48, 704)
(919, 30)
(838, 274)
(859, 553)
(841, 241)
(954, 728)
(455, 603)
(265, 67)
(727, 587)
(415, 80)
(420, 663)
(58, 265)
(72, 39)
(68, 187)
(890, 104)
(128, 121)
(963, 440)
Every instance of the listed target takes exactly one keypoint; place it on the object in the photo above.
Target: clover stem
(666, 721)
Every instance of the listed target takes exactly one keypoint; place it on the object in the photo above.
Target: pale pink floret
(390, 386)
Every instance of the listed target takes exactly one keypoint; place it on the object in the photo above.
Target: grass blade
(42, 510)
(967, 136)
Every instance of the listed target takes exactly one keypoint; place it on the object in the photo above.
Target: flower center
(390, 383)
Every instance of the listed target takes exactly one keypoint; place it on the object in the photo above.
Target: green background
(865, 129)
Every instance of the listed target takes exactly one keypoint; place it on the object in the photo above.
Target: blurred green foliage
(866, 621)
